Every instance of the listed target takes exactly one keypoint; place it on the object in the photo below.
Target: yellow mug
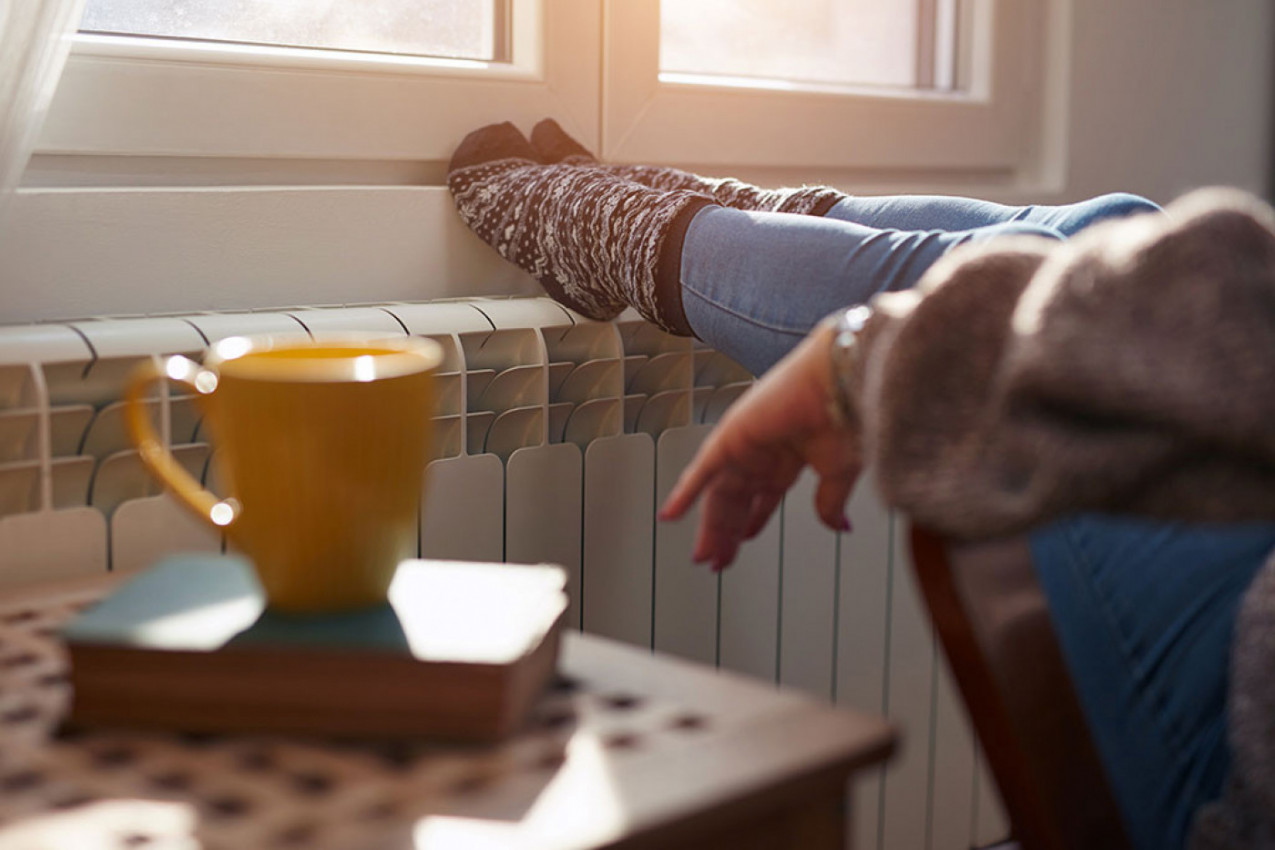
(322, 447)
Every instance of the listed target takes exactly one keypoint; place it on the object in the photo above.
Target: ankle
(668, 272)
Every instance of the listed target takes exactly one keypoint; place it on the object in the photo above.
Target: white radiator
(557, 438)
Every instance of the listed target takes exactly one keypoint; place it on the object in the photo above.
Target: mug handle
(158, 460)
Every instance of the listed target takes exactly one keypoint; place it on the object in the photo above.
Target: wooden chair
(991, 618)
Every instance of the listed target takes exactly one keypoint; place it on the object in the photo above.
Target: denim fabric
(941, 212)
(1144, 613)
(754, 283)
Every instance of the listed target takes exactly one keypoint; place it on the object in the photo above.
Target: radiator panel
(749, 618)
(544, 492)
(463, 512)
(619, 519)
(808, 594)
(952, 758)
(863, 601)
(53, 544)
(145, 530)
(685, 594)
(910, 654)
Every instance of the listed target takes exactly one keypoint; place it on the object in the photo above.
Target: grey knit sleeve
(1131, 370)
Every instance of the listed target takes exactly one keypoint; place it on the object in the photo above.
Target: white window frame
(986, 126)
(593, 64)
(148, 97)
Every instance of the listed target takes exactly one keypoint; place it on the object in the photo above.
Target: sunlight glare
(364, 368)
(203, 627)
(222, 514)
(789, 44)
(232, 347)
(579, 805)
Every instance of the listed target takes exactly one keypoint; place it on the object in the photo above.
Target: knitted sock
(596, 242)
(553, 145)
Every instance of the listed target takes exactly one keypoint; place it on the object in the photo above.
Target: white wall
(1167, 95)
(1155, 97)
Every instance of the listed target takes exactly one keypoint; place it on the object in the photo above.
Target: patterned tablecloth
(624, 743)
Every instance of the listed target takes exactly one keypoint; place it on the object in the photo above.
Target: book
(459, 652)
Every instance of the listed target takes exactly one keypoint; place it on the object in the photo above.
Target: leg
(755, 281)
(753, 284)
(596, 242)
(892, 212)
(1144, 614)
(941, 212)
(553, 145)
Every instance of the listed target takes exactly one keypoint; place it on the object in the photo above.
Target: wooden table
(628, 750)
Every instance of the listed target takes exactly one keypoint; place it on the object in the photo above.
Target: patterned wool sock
(596, 242)
(553, 145)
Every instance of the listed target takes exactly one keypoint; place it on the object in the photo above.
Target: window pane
(839, 42)
(461, 29)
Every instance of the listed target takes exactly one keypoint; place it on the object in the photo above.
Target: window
(456, 29)
(811, 43)
(905, 85)
(900, 84)
(227, 89)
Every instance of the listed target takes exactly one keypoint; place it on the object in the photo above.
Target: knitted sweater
(1130, 370)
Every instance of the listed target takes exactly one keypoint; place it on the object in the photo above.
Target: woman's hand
(758, 449)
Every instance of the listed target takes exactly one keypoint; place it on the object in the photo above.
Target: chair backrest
(993, 622)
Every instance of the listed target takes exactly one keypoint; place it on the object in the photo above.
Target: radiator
(556, 440)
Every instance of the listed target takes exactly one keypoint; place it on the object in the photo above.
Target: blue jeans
(1144, 613)
(1143, 610)
(753, 284)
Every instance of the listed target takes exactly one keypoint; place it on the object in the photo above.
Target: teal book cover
(437, 610)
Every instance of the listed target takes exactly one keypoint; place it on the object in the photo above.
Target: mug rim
(371, 358)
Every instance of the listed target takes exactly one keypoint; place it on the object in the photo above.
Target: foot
(596, 242)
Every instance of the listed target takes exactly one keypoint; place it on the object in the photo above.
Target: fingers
(764, 505)
(727, 505)
(831, 497)
(736, 507)
(691, 483)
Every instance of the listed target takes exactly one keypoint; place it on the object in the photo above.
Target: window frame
(990, 125)
(593, 64)
(148, 97)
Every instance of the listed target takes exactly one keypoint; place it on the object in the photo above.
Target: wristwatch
(843, 352)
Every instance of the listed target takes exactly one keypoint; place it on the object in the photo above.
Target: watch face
(855, 318)
(843, 353)
(849, 323)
